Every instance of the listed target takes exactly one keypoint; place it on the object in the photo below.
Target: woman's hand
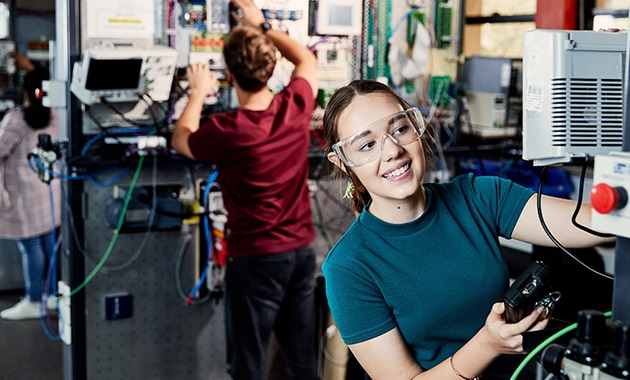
(505, 337)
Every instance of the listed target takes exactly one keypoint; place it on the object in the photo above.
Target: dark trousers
(265, 294)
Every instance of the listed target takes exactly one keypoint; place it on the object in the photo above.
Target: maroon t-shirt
(262, 159)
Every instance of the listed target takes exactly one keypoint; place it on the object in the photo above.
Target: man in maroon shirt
(260, 150)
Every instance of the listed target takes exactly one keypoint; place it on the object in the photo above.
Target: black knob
(591, 328)
(551, 358)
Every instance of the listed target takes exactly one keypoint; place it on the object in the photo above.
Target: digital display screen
(113, 74)
(340, 15)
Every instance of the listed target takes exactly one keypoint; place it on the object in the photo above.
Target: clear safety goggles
(401, 128)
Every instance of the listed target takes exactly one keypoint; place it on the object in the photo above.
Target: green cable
(116, 232)
(544, 344)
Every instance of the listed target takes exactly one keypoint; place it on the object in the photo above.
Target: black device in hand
(530, 290)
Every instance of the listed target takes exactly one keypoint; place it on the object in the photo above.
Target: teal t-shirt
(434, 278)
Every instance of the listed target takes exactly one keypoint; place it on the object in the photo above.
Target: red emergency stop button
(604, 198)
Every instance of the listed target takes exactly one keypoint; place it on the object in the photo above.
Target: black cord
(553, 239)
(150, 108)
(121, 114)
(100, 126)
(579, 205)
(164, 110)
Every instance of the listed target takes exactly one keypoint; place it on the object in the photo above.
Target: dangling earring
(349, 189)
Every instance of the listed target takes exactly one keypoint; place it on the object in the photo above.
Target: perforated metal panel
(163, 338)
(11, 276)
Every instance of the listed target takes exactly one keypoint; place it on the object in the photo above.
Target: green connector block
(443, 15)
(438, 90)
(412, 24)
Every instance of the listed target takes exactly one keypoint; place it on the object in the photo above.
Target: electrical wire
(147, 234)
(178, 271)
(73, 230)
(110, 181)
(548, 232)
(89, 177)
(77, 242)
(390, 77)
(544, 344)
(165, 113)
(98, 123)
(434, 109)
(579, 205)
(211, 178)
(115, 235)
(121, 114)
(130, 131)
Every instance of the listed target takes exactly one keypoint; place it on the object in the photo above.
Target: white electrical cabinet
(572, 94)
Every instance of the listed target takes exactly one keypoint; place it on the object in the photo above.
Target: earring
(349, 189)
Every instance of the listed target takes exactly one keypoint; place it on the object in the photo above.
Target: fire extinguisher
(219, 243)
(219, 256)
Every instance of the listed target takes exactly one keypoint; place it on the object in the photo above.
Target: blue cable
(111, 180)
(89, 177)
(53, 258)
(53, 173)
(114, 132)
(206, 193)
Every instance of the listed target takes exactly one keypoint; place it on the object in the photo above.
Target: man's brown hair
(250, 56)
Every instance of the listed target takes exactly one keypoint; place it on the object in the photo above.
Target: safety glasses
(402, 128)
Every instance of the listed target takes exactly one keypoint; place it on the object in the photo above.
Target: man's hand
(251, 15)
(201, 80)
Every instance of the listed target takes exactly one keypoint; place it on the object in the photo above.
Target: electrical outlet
(63, 311)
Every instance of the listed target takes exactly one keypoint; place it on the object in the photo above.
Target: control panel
(609, 195)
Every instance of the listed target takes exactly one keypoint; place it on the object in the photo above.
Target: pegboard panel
(163, 338)
(332, 213)
(11, 275)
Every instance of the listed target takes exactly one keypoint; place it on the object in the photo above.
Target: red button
(604, 198)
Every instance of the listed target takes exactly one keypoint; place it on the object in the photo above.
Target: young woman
(25, 201)
(415, 284)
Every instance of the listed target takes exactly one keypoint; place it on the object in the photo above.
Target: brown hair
(250, 56)
(338, 103)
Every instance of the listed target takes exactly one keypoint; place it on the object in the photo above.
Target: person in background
(260, 150)
(25, 200)
(415, 285)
